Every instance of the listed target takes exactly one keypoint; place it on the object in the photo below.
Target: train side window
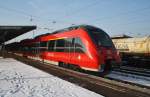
(43, 46)
(72, 47)
(29, 48)
(51, 45)
(35, 47)
(79, 46)
(60, 44)
(68, 44)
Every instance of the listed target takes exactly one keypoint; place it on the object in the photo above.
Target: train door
(49, 55)
(38, 49)
(43, 47)
(69, 49)
(78, 52)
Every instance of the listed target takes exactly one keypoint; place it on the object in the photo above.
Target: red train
(83, 46)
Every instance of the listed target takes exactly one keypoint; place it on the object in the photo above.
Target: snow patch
(20, 80)
(130, 78)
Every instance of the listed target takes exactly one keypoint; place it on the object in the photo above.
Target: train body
(134, 51)
(84, 46)
(133, 46)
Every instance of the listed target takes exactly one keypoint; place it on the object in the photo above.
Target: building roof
(10, 32)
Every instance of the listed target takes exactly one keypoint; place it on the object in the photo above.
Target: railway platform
(27, 77)
(20, 80)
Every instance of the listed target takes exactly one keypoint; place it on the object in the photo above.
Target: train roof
(42, 35)
(120, 36)
(74, 27)
(67, 29)
(28, 39)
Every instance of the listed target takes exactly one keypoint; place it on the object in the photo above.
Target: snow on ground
(130, 78)
(20, 80)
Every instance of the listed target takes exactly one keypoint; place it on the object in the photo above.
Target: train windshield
(99, 37)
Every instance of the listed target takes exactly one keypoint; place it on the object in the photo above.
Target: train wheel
(106, 69)
(73, 67)
(108, 66)
(60, 64)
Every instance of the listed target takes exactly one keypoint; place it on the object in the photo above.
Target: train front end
(108, 55)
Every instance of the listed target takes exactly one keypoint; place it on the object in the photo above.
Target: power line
(133, 22)
(81, 9)
(32, 17)
(77, 11)
(17, 11)
(120, 14)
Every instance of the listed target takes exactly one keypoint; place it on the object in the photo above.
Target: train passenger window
(68, 45)
(35, 47)
(43, 46)
(51, 45)
(25, 48)
(29, 48)
(60, 44)
(79, 46)
(34, 44)
(32, 48)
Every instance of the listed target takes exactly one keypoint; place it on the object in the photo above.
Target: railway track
(106, 87)
(131, 75)
(133, 70)
(130, 79)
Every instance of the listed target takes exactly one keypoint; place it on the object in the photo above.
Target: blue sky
(131, 17)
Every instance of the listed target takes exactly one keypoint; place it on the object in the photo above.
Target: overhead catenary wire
(76, 11)
(34, 17)
(80, 9)
(52, 21)
(31, 16)
(120, 14)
